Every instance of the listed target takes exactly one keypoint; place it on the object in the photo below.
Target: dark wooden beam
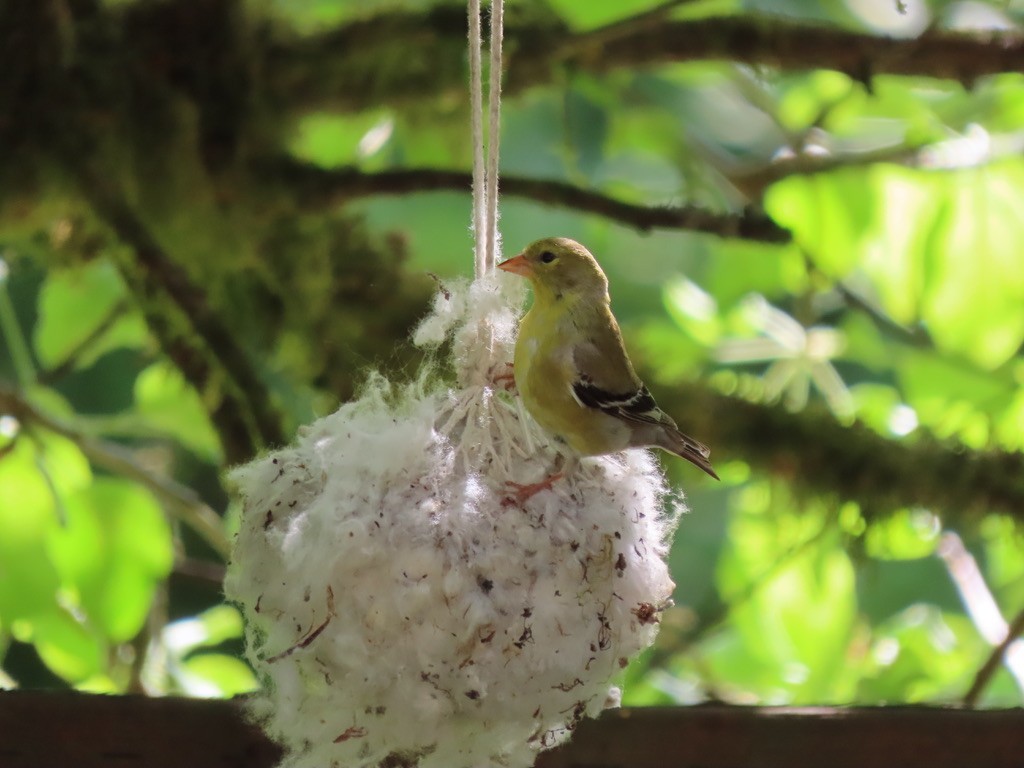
(45, 729)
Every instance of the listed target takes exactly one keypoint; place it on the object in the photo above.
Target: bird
(571, 367)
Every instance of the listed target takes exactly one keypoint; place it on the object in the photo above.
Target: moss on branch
(813, 451)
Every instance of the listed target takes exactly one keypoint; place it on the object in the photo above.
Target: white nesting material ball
(402, 609)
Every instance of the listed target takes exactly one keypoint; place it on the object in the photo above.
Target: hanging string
(476, 109)
(494, 131)
(485, 177)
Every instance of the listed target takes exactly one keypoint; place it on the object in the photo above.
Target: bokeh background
(216, 217)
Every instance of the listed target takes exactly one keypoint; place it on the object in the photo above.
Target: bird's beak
(517, 265)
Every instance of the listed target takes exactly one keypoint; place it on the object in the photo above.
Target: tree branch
(163, 275)
(400, 57)
(785, 45)
(317, 187)
(810, 449)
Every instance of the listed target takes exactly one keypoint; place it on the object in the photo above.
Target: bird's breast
(545, 372)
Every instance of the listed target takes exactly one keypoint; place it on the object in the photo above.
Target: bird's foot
(506, 379)
(520, 493)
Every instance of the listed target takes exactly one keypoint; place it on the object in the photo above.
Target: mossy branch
(813, 451)
(247, 400)
(401, 57)
(320, 188)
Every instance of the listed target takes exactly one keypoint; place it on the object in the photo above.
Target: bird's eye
(547, 257)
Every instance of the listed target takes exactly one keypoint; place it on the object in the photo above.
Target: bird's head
(559, 267)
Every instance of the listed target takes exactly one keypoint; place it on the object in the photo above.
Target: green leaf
(975, 306)
(907, 206)
(1004, 560)
(335, 140)
(67, 646)
(898, 109)
(922, 654)
(113, 551)
(1008, 430)
(905, 535)
(73, 303)
(828, 215)
(166, 402)
(216, 675)
(735, 269)
(1003, 99)
(101, 683)
(792, 601)
(29, 514)
(952, 396)
(908, 230)
(597, 13)
(864, 344)
(210, 628)
(804, 97)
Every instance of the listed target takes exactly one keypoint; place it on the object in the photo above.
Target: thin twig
(980, 605)
(178, 500)
(71, 359)
(916, 336)
(200, 571)
(988, 669)
(317, 187)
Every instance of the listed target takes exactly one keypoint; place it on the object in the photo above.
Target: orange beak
(517, 265)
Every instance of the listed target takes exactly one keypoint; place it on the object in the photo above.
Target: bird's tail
(684, 446)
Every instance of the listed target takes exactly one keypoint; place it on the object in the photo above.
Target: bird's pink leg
(520, 493)
(506, 380)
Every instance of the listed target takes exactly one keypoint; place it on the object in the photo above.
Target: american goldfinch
(571, 366)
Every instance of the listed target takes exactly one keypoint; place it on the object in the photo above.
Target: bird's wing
(605, 378)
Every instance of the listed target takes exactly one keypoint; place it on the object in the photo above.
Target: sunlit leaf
(335, 140)
(1009, 426)
(909, 231)
(165, 402)
(73, 304)
(984, 218)
(210, 628)
(804, 98)
(1003, 98)
(953, 396)
(35, 477)
(99, 683)
(1004, 561)
(793, 601)
(216, 675)
(114, 549)
(922, 655)
(67, 646)
(906, 535)
(596, 13)
(908, 207)
(875, 405)
(828, 215)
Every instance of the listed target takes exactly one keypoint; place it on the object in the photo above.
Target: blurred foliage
(899, 305)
